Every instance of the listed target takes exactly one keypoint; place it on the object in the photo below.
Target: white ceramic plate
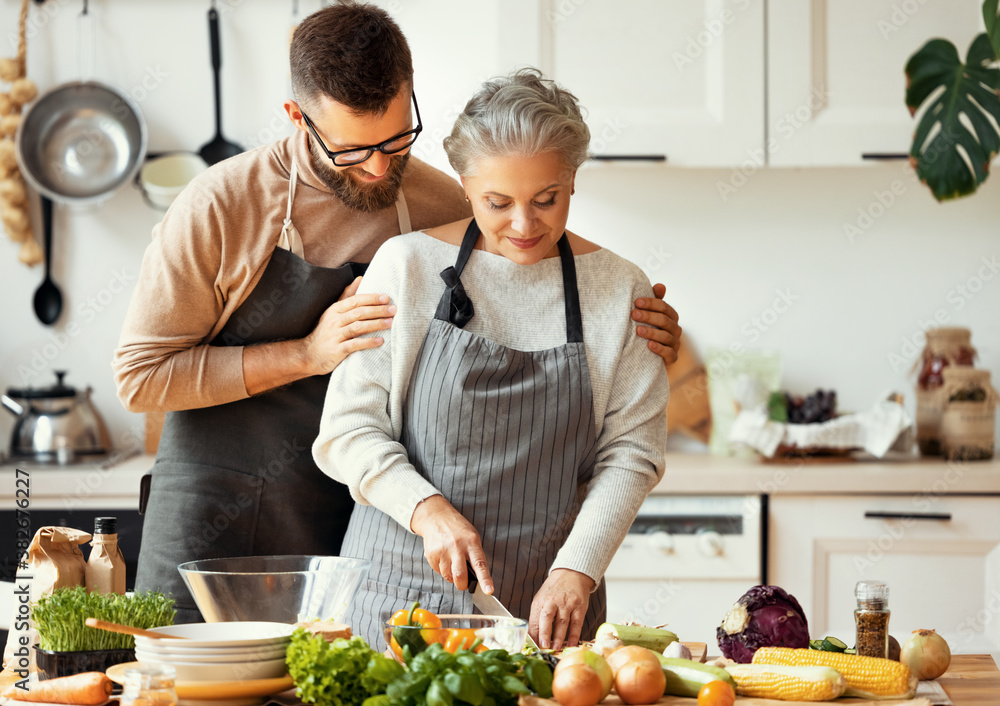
(244, 633)
(224, 671)
(259, 655)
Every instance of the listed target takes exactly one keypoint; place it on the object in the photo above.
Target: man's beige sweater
(213, 245)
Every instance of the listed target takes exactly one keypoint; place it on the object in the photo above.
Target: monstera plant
(955, 139)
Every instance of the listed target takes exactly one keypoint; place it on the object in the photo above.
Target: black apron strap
(455, 305)
(574, 320)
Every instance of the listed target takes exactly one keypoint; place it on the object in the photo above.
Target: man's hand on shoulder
(660, 325)
(337, 335)
(340, 329)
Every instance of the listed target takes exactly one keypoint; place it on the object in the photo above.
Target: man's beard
(360, 196)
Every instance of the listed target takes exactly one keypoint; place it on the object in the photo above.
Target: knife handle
(473, 579)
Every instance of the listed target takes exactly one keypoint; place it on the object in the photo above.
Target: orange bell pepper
(461, 639)
(419, 617)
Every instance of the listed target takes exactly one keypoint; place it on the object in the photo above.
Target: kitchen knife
(489, 605)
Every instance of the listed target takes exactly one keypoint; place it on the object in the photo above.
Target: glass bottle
(944, 347)
(105, 571)
(872, 618)
(149, 685)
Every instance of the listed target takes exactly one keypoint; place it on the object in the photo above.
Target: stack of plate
(231, 652)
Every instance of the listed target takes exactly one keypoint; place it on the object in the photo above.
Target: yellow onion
(926, 654)
(577, 685)
(593, 660)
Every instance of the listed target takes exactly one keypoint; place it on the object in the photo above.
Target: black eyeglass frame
(371, 149)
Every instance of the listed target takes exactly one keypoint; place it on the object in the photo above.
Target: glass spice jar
(969, 417)
(149, 686)
(872, 618)
(944, 347)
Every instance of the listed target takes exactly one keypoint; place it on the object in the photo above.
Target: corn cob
(867, 677)
(787, 683)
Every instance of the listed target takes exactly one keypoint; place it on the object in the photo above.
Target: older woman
(514, 420)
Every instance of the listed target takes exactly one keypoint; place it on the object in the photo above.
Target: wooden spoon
(128, 630)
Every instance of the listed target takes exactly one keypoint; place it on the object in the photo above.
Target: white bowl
(224, 671)
(257, 654)
(163, 178)
(235, 634)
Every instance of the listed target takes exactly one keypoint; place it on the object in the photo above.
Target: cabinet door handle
(878, 515)
(884, 155)
(629, 157)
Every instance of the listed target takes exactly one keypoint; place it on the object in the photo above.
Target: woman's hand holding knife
(450, 543)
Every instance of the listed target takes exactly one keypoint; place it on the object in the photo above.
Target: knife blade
(490, 605)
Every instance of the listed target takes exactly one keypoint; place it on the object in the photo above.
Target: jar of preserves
(969, 417)
(149, 685)
(872, 619)
(944, 347)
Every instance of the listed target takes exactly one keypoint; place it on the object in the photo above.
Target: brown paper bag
(54, 560)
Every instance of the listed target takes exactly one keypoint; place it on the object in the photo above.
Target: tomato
(716, 693)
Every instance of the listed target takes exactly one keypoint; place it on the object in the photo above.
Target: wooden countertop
(93, 486)
(972, 680)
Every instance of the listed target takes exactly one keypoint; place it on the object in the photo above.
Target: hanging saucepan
(82, 140)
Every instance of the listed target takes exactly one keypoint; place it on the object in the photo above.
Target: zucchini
(832, 644)
(685, 677)
(655, 639)
(815, 644)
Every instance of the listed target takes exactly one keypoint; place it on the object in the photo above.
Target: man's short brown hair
(352, 52)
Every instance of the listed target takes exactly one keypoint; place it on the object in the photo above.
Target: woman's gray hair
(518, 114)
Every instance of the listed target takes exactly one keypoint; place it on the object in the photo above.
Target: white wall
(722, 259)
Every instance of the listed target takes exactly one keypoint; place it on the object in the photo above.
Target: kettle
(55, 424)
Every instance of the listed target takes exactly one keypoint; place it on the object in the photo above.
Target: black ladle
(218, 148)
(48, 298)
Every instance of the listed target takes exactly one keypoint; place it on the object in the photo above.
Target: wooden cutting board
(740, 701)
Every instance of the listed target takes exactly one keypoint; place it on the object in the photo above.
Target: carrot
(88, 688)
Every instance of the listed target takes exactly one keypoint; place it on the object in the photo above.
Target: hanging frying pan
(82, 140)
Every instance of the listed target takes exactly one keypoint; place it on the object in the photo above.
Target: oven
(686, 560)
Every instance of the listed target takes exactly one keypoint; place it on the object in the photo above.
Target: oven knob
(661, 541)
(710, 543)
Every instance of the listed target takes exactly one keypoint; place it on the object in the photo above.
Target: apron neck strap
(455, 306)
(571, 293)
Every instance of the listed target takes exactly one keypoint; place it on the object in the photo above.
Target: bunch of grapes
(821, 406)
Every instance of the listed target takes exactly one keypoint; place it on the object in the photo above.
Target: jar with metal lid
(969, 417)
(872, 618)
(944, 347)
(149, 685)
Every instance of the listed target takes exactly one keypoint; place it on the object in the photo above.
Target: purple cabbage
(766, 616)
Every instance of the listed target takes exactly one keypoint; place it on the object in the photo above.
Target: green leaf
(777, 407)
(991, 16)
(951, 91)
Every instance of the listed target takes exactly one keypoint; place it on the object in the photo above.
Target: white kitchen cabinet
(836, 82)
(940, 555)
(680, 80)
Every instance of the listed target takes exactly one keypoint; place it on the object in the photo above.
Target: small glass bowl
(495, 632)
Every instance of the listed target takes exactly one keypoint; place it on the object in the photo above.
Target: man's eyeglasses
(357, 155)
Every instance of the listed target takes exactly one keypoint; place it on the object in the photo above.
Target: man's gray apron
(508, 437)
(239, 479)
